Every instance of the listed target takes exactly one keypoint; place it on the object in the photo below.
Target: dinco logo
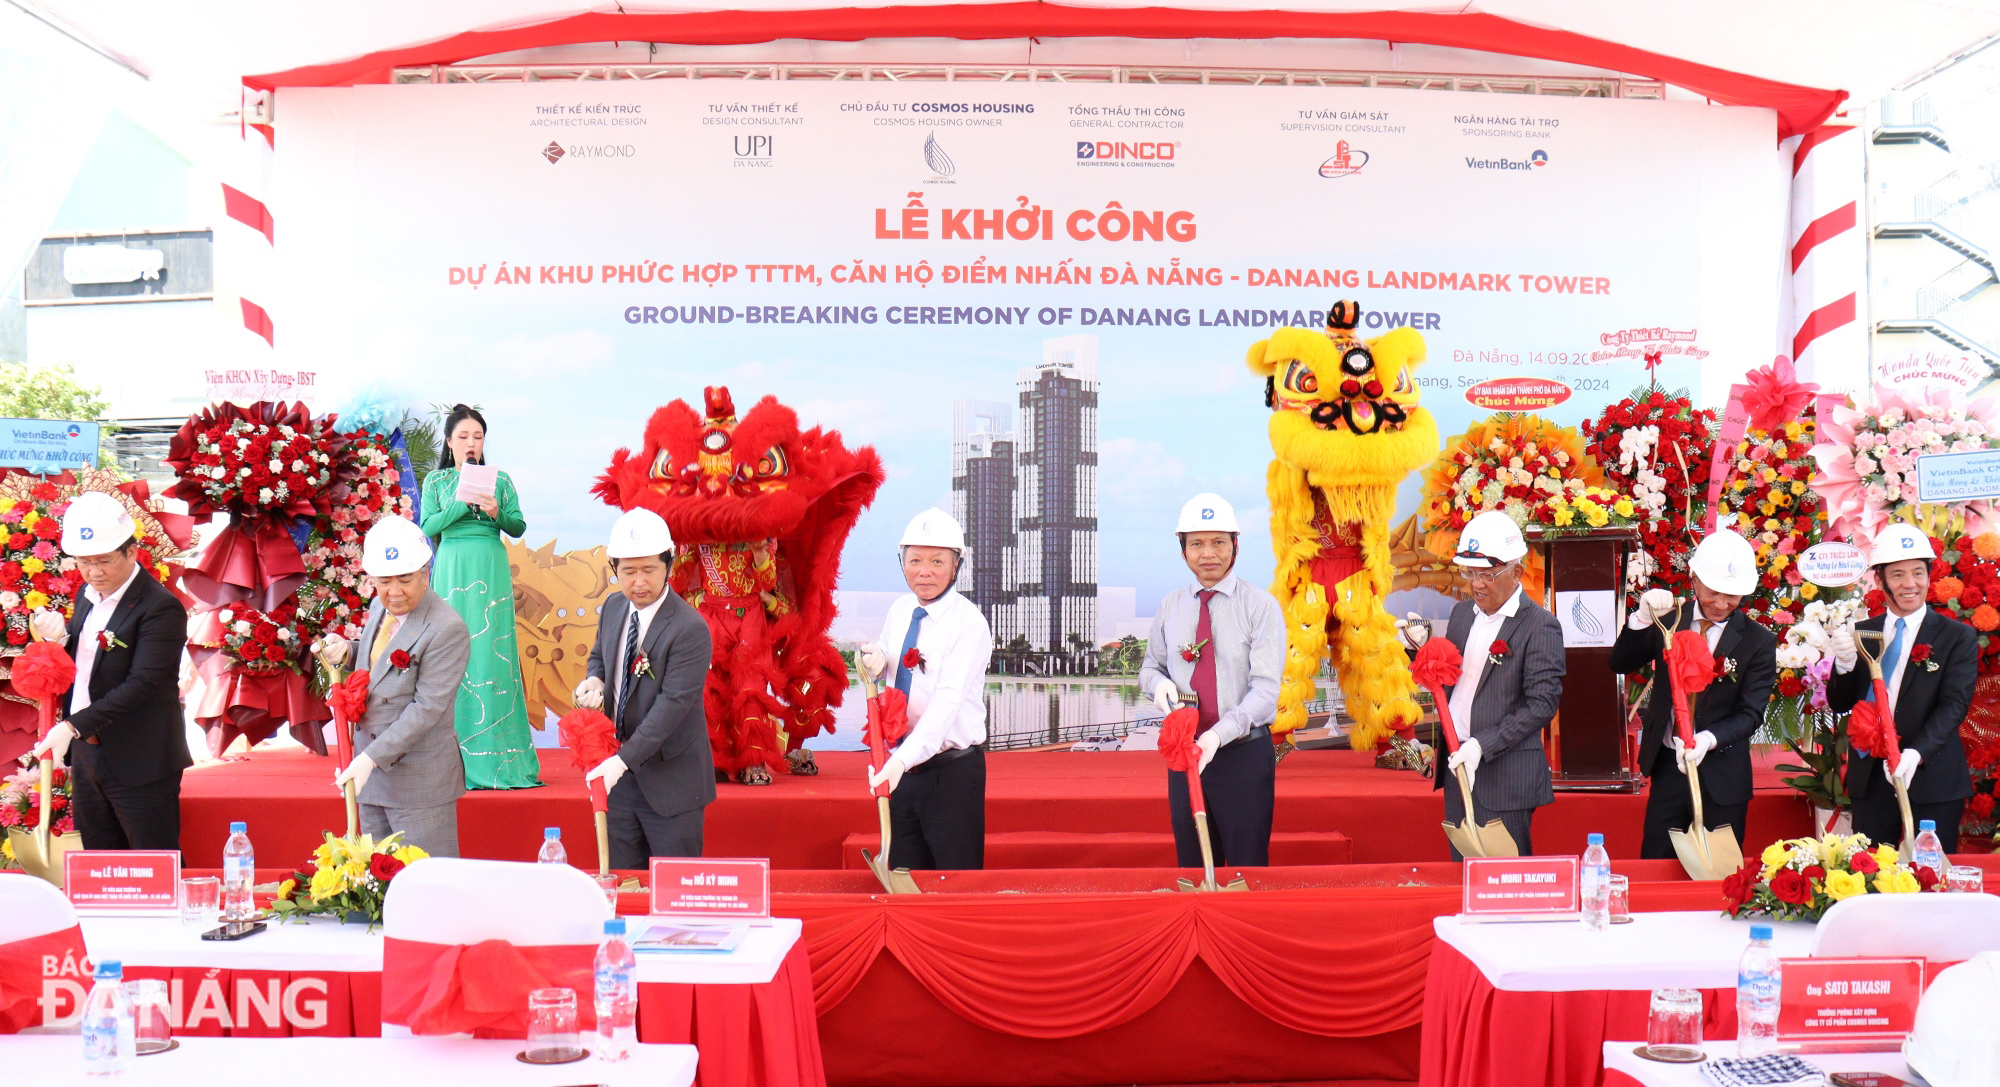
(556, 152)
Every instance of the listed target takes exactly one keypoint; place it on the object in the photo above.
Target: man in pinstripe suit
(414, 647)
(1510, 686)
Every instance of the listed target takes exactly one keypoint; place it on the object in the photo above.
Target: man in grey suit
(406, 769)
(651, 660)
(1510, 686)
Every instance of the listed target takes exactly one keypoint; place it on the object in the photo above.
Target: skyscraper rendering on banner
(1027, 497)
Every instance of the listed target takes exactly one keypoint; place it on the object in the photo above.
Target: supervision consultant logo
(1346, 162)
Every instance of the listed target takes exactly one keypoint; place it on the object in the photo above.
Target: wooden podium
(1584, 587)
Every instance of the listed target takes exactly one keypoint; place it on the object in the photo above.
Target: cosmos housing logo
(1535, 161)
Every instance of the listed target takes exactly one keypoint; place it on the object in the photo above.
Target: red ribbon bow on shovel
(348, 700)
(591, 738)
(888, 723)
(1690, 668)
(1177, 746)
(42, 672)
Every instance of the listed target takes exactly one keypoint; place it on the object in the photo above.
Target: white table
(1618, 1057)
(1696, 950)
(322, 945)
(379, 1062)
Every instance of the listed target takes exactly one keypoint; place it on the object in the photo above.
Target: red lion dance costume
(759, 513)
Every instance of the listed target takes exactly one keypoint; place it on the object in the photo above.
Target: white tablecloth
(1697, 950)
(325, 945)
(1618, 1057)
(378, 1062)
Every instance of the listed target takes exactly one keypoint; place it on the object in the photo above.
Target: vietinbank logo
(1535, 161)
(1114, 153)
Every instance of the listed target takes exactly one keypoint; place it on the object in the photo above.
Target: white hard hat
(638, 533)
(1900, 542)
(934, 528)
(1726, 563)
(96, 524)
(1207, 513)
(1490, 539)
(394, 546)
(1956, 1042)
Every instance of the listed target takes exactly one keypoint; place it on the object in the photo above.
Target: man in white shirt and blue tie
(937, 774)
(1220, 644)
(1929, 664)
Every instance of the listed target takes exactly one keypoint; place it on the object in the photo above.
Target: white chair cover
(1938, 927)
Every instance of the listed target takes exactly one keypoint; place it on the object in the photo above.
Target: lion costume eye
(1300, 379)
(662, 467)
(772, 464)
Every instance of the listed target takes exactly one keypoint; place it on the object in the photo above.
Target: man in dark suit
(126, 634)
(1929, 665)
(1510, 685)
(650, 660)
(1726, 714)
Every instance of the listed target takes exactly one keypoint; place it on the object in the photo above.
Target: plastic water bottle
(1757, 982)
(617, 993)
(552, 848)
(239, 875)
(1596, 885)
(108, 1045)
(1929, 850)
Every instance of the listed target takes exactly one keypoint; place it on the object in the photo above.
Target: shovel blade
(879, 866)
(43, 864)
(1723, 852)
(1464, 840)
(900, 882)
(1496, 842)
(1692, 847)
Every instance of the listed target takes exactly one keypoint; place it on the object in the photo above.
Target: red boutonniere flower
(1191, 652)
(107, 641)
(399, 659)
(1726, 667)
(913, 660)
(641, 666)
(1921, 654)
(1498, 651)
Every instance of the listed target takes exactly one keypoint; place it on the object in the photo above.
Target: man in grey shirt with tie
(1221, 645)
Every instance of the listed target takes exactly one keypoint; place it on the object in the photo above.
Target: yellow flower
(1798, 487)
(323, 856)
(1776, 856)
(28, 519)
(33, 565)
(1597, 517)
(354, 871)
(7, 848)
(1565, 516)
(1623, 506)
(1887, 857)
(1897, 881)
(1808, 590)
(410, 853)
(1770, 473)
(35, 598)
(326, 883)
(286, 888)
(6, 504)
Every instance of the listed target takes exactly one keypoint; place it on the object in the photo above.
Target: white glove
(49, 626)
(891, 773)
(1208, 745)
(333, 651)
(55, 746)
(872, 660)
(1468, 756)
(590, 695)
(1841, 641)
(610, 770)
(1414, 631)
(356, 772)
(1165, 694)
(1704, 742)
(1653, 603)
(1906, 767)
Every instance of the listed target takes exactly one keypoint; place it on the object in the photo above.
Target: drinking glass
(152, 1024)
(552, 1026)
(609, 885)
(1673, 1025)
(201, 900)
(1621, 899)
(1965, 879)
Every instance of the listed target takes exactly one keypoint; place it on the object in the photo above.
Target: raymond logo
(1518, 393)
(552, 152)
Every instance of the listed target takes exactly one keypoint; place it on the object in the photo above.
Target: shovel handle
(1207, 852)
(603, 843)
(353, 805)
(1909, 843)
(882, 810)
(42, 834)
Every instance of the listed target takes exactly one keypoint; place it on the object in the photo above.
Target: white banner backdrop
(570, 256)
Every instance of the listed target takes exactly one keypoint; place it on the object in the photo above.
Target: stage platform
(1333, 807)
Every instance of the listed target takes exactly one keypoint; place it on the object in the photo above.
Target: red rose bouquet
(251, 462)
(21, 802)
(1657, 448)
(1801, 878)
(346, 878)
(263, 642)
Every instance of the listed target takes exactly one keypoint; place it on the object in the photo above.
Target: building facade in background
(1024, 485)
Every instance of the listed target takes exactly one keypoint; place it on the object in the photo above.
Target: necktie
(384, 634)
(1206, 709)
(631, 654)
(1891, 657)
(909, 643)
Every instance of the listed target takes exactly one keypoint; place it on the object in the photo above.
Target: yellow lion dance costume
(1346, 430)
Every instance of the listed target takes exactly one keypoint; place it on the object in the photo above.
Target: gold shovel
(1198, 802)
(896, 881)
(40, 851)
(1908, 847)
(1437, 665)
(1705, 854)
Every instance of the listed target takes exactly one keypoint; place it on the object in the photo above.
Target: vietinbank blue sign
(47, 446)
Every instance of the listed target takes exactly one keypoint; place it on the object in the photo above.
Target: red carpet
(287, 797)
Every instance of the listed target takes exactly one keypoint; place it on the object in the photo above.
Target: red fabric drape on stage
(749, 1035)
(1477, 1036)
(26, 970)
(480, 988)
